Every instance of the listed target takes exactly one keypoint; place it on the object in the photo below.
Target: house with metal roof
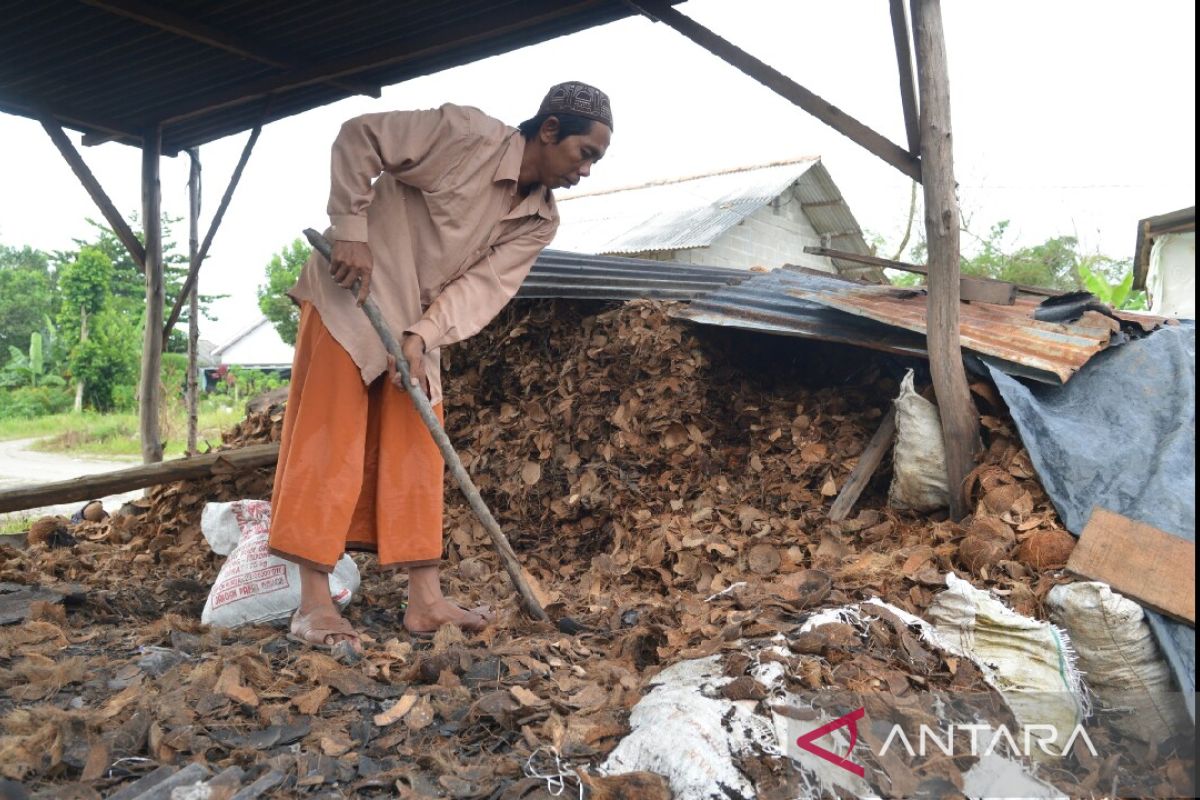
(746, 218)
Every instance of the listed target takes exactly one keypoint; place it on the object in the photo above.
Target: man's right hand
(352, 261)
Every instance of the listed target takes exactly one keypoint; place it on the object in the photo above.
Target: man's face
(566, 163)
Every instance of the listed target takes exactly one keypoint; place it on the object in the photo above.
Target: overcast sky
(1070, 117)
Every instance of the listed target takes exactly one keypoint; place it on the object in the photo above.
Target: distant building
(760, 216)
(1164, 263)
(257, 347)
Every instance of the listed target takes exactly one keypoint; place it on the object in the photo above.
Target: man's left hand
(413, 350)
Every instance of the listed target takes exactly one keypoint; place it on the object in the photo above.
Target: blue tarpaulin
(1121, 434)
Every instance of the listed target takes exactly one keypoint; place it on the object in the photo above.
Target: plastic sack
(254, 586)
(1123, 665)
(919, 479)
(1031, 663)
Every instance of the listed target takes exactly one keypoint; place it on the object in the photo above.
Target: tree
(26, 296)
(129, 286)
(282, 273)
(85, 287)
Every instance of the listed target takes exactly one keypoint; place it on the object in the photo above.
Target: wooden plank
(775, 80)
(908, 85)
(868, 462)
(960, 420)
(1140, 561)
(150, 385)
(904, 266)
(979, 290)
(95, 191)
(89, 487)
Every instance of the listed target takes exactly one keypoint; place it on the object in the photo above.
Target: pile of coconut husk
(666, 486)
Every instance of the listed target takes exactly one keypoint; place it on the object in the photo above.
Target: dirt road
(20, 465)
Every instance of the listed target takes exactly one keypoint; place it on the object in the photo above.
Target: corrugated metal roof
(793, 301)
(671, 215)
(579, 276)
(1008, 334)
(684, 213)
(892, 319)
(109, 67)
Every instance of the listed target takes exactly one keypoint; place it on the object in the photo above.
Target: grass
(116, 435)
(18, 524)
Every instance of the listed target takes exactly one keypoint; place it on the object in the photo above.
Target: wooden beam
(1138, 560)
(149, 389)
(775, 80)
(89, 487)
(904, 266)
(95, 191)
(398, 52)
(192, 390)
(960, 420)
(908, 85)
(868, 462)
(164, 19)
(202, 253)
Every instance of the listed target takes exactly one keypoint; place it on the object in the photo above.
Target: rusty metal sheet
(1008, 334)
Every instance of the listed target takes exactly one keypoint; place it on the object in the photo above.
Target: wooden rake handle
(529, 602)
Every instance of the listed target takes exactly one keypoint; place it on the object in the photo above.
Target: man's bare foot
(427, 618)
(323, 629)
(318, 622)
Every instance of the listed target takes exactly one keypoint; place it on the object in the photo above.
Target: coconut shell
(1046, 549)
(978, 553)
(993, 529)
(47, 531)
(1001, 499)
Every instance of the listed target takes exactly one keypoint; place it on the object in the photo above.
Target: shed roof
(209, 68)
(691, 212)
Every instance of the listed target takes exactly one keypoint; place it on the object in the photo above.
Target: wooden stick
(868, 462)
(193, 345)
(904, 266)
(89, 487)
(960, 420)
(149, 389)
(198, 259)
(775, 80)
(509, 558)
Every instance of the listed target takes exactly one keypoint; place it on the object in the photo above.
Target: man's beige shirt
(432, 193)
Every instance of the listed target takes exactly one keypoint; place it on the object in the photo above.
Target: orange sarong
(358, 470)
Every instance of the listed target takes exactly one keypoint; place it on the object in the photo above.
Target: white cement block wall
(774, 235)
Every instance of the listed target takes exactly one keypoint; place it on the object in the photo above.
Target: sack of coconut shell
(253, 585)
(919, 478)
(1120, 659)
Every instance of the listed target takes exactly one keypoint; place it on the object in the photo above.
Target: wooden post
(908, 89)
(198, 259)
(149, 395)
(960, 420)
(193, 298)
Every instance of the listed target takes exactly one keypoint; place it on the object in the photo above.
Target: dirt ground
(668, 488)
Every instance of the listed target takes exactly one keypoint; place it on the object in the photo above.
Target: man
(439, 215)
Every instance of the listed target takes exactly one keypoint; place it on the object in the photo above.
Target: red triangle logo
(850, 721)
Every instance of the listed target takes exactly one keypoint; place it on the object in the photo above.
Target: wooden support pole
(960, 420)
(775, 80)
(95, 191)
(194, 268)
(868, 462)
(193, 394)
(89, 487)
(149, 394)
(908, 86)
